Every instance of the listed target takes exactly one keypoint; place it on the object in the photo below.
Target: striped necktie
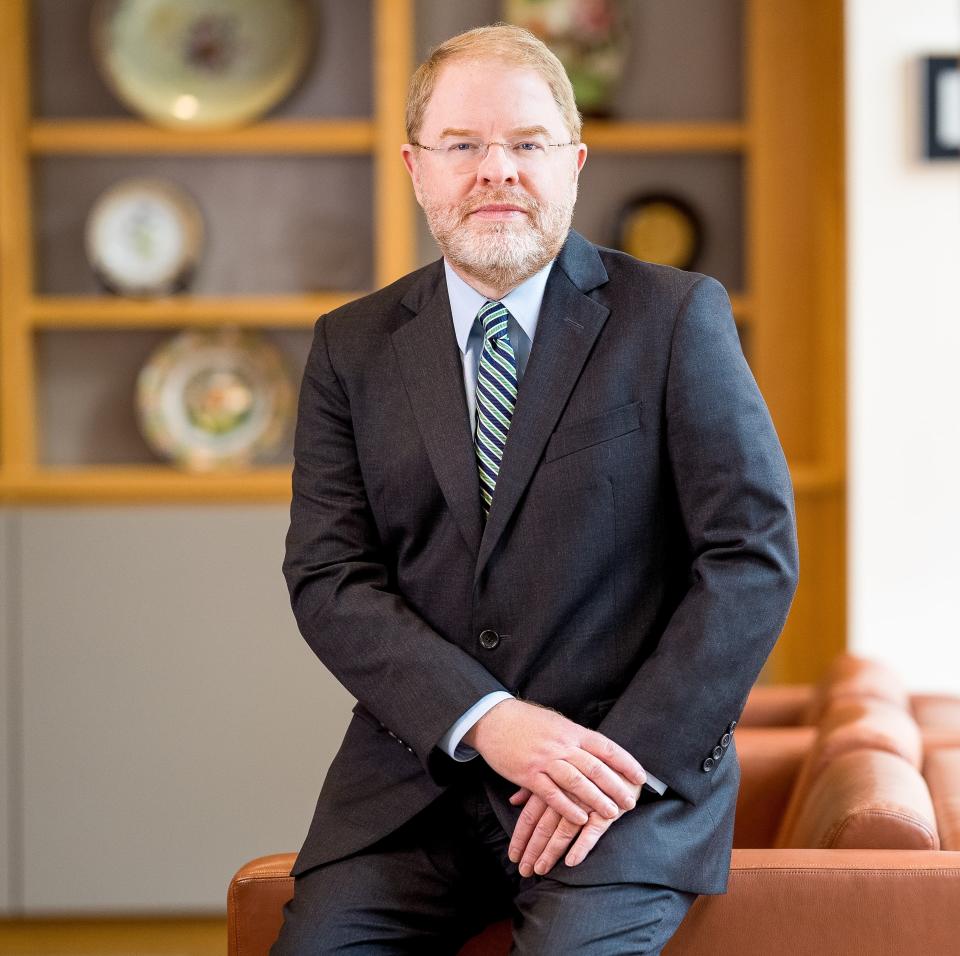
(496, 397)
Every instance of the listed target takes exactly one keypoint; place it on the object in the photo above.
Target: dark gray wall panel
(273, 224)
(685, 61)
(86, 389)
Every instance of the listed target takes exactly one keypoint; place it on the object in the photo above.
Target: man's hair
(501, 41)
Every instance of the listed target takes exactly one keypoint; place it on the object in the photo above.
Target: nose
(498, 166)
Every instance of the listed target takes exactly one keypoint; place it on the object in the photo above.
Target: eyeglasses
(465, 155)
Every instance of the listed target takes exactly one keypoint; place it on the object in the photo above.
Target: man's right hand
(554, 757)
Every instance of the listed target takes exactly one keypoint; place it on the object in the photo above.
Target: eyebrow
(516, 131)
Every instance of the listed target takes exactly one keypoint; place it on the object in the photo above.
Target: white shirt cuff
(655, 782)
(450, 741)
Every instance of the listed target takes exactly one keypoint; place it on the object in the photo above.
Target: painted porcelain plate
(202, 63)
(143, 237)
(215, 399)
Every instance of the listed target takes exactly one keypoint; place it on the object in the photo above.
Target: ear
(581, 156)
(412, 162)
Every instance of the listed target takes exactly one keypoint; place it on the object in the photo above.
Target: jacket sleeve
(412, 679)
(736, 501)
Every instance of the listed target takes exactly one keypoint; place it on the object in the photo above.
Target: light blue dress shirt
(523, 304)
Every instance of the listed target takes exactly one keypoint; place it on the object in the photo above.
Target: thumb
(521, 796)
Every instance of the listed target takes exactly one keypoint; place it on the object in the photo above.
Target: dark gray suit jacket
(636, 569)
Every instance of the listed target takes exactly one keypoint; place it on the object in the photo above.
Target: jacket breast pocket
(593, 430)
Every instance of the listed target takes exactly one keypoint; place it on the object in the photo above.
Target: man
(543, 530)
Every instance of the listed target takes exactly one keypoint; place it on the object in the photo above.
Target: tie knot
(493, 316)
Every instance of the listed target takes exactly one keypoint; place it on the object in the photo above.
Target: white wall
(903, 348)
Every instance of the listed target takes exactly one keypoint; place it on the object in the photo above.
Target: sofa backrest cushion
(867, 799)
(849, 725)
(850, 676)
(854, 723)
(942, 772)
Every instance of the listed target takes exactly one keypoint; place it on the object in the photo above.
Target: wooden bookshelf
(790, 141)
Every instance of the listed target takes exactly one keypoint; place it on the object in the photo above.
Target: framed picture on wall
(941, 137)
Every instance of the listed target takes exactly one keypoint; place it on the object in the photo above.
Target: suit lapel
(429, 359)
(432, 370)
(569, 324)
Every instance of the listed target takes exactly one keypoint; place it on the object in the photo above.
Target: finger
(529, 818)
(555, 847)
(546, 827)
(587, 840)
(614, 756)
(613, 784)
(520, 796)
(555, 796)
(570, 778)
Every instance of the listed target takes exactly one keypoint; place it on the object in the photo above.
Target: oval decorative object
(143, 237)
(660, 227)
(215, 399)
(201, 63)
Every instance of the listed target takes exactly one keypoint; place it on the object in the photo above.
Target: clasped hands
(572, 780)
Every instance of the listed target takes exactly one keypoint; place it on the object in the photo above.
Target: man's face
(507, 217)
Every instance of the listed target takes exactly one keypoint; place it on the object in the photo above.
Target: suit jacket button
(725, 741)
(717, 752)
(489, 639)
(708, 764)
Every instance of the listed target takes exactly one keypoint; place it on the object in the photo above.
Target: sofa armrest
(255, 900)
(828, 902)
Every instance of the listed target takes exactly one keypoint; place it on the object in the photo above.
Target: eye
(462, 148)
(527, 146)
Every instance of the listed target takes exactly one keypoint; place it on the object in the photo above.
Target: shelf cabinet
(739, 101)
(735, 103)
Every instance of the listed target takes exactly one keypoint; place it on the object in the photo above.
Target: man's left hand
(541, 834)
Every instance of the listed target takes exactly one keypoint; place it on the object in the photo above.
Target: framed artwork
(941, 92)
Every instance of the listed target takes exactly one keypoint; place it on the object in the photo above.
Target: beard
(501, 254)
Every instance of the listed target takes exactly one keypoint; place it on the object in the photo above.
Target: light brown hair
(502, 41)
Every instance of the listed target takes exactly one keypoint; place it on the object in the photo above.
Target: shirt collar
(523, 302)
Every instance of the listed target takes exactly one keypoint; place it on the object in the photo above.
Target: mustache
(511, 199)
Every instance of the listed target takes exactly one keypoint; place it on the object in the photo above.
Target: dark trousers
(442, 876)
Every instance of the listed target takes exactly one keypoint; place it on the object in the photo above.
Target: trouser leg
(614, 919)
(424, 889)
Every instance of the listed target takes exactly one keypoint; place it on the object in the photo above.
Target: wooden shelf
(815, 479)
(140, 483)
(611, 136)
(113, 312)
(95, 136)
(146, 483)
(343, 136)
(741, 305)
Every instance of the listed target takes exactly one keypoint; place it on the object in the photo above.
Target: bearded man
(543, 530)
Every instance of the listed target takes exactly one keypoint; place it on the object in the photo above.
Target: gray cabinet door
(174, 722)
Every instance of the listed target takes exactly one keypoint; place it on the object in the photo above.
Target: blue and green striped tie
(496, 397)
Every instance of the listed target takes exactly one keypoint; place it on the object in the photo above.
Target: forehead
(488, 94)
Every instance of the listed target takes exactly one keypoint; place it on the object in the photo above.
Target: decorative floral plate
(144, 236)
(201, 63)
(215, 399)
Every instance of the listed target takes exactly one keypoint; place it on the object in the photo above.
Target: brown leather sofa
(847, 831)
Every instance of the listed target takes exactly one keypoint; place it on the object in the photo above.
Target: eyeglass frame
(487, 145)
